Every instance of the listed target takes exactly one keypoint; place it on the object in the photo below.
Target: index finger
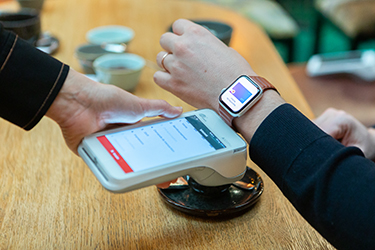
(180, 26)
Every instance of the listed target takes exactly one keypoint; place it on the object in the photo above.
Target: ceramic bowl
(122, 70)
(111, 34)
(86, 55)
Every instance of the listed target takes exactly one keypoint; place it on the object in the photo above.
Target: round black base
(222, 201)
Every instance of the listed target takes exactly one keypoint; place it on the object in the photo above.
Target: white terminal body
(198, 143)
(358, 62)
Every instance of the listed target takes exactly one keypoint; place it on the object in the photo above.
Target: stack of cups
(106, 56)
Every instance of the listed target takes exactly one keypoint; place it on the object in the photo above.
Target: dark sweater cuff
(280, 139)
(29, 81)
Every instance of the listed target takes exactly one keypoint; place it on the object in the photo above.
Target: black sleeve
(332, 186)
(29, 80)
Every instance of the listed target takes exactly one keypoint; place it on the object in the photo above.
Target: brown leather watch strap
(228, 118)
(263, 84)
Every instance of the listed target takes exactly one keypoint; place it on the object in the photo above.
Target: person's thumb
(160, 108)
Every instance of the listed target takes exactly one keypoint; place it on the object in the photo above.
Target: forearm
(329, 184)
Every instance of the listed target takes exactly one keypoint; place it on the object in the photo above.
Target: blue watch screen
(239, 94)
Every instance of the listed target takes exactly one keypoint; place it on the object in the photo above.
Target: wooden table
(49, 199)
(341, 91)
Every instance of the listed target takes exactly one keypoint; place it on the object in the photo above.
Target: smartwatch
(241, 95)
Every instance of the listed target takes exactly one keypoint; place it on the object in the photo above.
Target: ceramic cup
(111, 34)
(25, 23)
(122, 70)
(34, 4)
(86, 55)
(103, 40)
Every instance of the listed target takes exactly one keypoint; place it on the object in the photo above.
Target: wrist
(248, 123)
(246, 102)
(70, 98)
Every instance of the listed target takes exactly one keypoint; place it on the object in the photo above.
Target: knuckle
(163, 103)
(181, 48)
(196, 30)
(177, 68)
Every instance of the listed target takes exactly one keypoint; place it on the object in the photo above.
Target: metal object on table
(228, 200)
(47, 43)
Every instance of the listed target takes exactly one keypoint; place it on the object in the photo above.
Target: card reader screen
(162, 143)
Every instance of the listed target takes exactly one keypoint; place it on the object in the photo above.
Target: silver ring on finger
(162, 61)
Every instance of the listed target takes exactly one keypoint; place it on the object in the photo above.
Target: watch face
(239, 95)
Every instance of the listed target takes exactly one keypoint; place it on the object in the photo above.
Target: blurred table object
(51, 200)
(32, 4)
(341, 91)
(355, 19)
(279, 25)
(8, 5)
